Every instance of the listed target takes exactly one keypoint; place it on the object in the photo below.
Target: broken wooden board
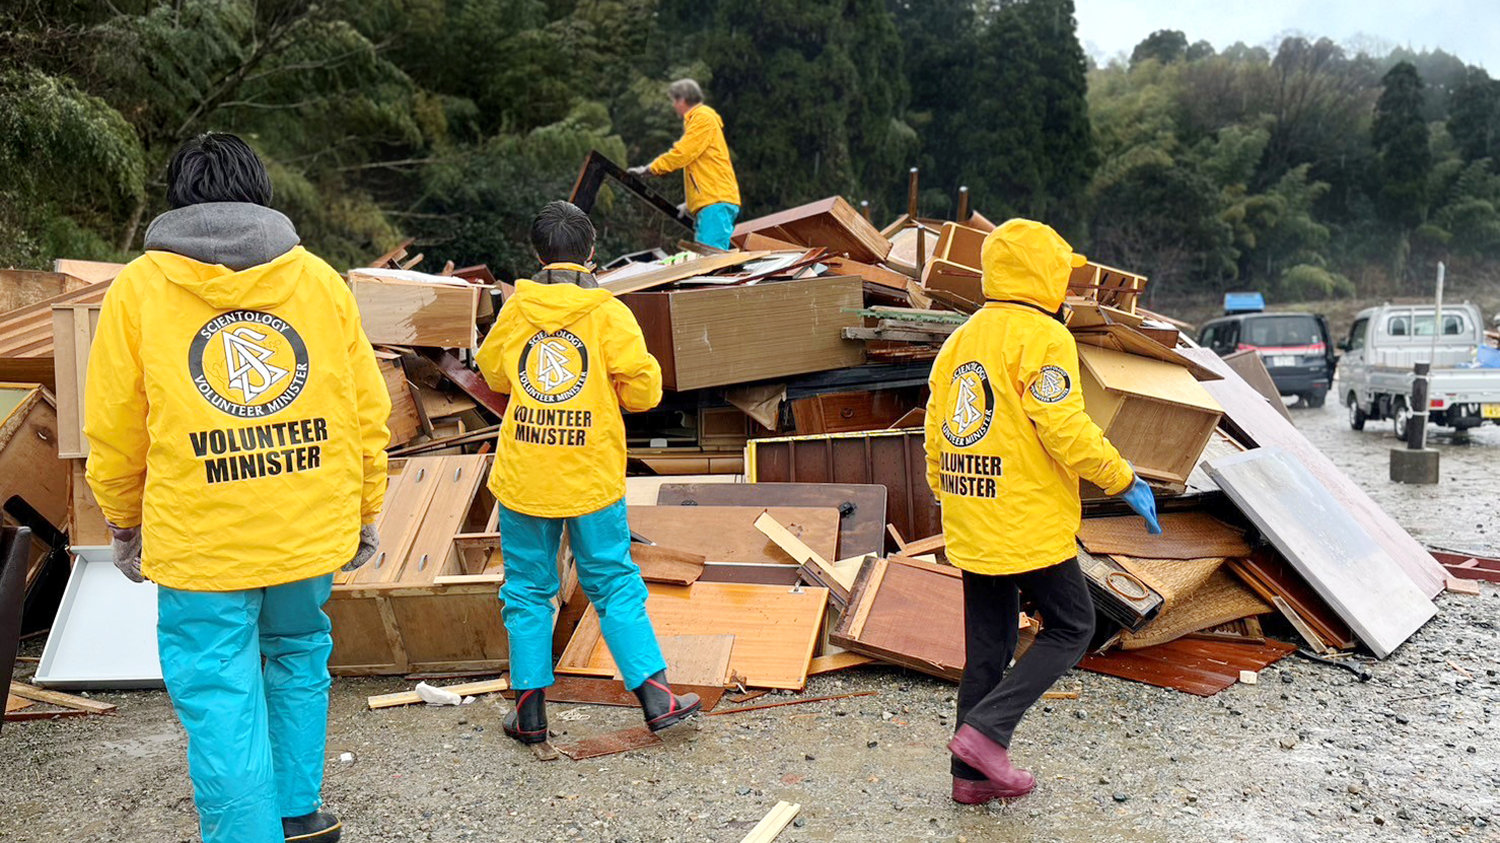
(775, 629)
(405, 422)
(89, 272)
(698, 659)
(1249, 365)
(73, 330)
(864, 271)
(907, 613)
(832, 223)
(1255, 421)
(772, 824)
(728, 533)
(667, 565)
(1184, 535)
(838, 661)
(633, 280)
(463, 689)
(1323, 541)
(400, 307)
(1107, 285)
(613, 743)
(1274, 579)
(819, 570)
(1192, 665)
(70, 701)
(861, 507)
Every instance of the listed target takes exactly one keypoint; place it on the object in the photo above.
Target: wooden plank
(1340, 560)
(1184, 535)
(777, 819)
(698, 659)
(661, 276)
(399, 309)
(728, 533)
(861, 506)
(404, 422)
(613, 743)
(907, 613)
(1253, 418)
(1249, 365)
(838, 582)
(831, 222)
(89, 272)
(1192, 665)
(667, 565)
(1272, 577)
(868, 272)
(57, 698)
(775, 629)
(431, 553)
(73, 334)
(463, 689)
(27, 332)
(838, 661)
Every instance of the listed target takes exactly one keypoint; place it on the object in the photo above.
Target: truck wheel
(1314, 400)
(1356, 415)
(1400, 415)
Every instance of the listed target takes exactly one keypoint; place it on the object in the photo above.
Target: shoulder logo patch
(248, 364)
(1051, 385)
(971, 405)
(553, 367)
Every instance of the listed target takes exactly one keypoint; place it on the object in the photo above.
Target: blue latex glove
(1143, 501)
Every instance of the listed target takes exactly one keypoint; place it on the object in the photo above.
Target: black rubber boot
(317, 827)
(527, 722)
(661, 707)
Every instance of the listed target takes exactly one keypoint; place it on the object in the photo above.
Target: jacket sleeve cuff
(1122, 485)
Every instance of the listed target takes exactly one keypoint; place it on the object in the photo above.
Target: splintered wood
(772, 824)
(463, 689)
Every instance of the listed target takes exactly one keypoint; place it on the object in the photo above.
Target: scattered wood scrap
(780, 703)
(613, 743)
(27, 696)
(772, 824)
(463, 689)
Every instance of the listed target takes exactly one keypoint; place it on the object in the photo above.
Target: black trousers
(991, 700)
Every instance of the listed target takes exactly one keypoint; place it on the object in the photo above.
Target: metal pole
(911, 196)
(864, 208)
(1437, 314)
(963, 205)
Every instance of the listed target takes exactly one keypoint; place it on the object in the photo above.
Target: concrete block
(1420, 467)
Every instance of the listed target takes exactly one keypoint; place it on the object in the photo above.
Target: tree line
(1307, 171)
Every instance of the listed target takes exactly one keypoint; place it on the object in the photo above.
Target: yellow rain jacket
(702, 155)
(238, 417)
(1007, 436)
(570, 359)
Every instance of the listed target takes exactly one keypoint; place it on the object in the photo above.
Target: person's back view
(237, 428)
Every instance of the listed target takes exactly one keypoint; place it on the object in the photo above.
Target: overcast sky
(1469, 29)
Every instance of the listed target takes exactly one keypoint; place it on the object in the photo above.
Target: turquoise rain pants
(714, 224)
(255, 733)
(601, 543)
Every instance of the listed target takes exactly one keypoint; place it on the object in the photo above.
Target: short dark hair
(217, 167)
(562, 232)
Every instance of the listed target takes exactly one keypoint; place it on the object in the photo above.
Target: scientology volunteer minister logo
(972, 405)
(248, 364)
(553, 367)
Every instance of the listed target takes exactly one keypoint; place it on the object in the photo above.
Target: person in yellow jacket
(571, 357)
(702, 154)
(236, 422)
(1007, 441)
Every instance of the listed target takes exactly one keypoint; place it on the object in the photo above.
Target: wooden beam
(463, 689)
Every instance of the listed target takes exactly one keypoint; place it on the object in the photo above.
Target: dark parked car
(1296, 348)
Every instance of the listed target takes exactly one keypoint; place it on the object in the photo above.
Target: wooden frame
(832, 223)
(596, 167)
(908, 613)
(73, 328)
(1156, 413)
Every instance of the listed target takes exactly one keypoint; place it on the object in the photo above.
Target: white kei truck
(1375, 373)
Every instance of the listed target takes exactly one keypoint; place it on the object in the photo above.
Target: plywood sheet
(1249, 365)
(908, 613)
(728, 533)
(1185, 535)
(621, 282)
(775, 629)
(666, 565)
(1258, 423)
(1192, 665)
(401, 310)
(1340, 560)
(831, 222)
(698, 659)
(861, 507)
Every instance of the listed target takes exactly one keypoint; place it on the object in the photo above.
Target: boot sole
(325, 835)
(960, 751)
(667, 721)
(527, 738)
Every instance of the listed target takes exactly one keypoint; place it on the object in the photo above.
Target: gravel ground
(1308, 754)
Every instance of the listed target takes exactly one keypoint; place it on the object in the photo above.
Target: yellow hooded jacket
(570, 358)
(1007, 436)
(238, 417)
(702, 155)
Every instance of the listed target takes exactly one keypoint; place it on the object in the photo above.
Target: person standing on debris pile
(236, 421)
(702, 154)
(1007, 441)
(570, 356)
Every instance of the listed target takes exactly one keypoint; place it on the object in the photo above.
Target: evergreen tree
(1163, 45)
(1403, 158)
(1474, 115)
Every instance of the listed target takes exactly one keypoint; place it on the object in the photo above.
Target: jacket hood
(260, 287)
(554, 306)
(238, 235)
(1026, 261)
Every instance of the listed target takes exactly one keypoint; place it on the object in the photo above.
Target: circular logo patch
(248, 364)
(554, 366)
(971, 405)
(1052, 385)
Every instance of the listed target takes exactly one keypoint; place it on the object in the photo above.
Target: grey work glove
(125, 546)
(369, 542)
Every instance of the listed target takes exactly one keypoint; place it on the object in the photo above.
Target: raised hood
(553, 306)
(1026, 261)
(260, 287)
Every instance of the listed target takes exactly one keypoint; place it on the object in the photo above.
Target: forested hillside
(1304, 169)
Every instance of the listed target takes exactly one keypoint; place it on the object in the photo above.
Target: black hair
(562, 232)
(217, 167)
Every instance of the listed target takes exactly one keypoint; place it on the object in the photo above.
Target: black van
(1296, 348)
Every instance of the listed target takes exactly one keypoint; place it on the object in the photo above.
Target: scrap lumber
(843, 412)
(832, 223)
(775, 820)
(1133, 341)
(1327, 545)
(775, 629)
(667, 565)
(818, 569)
(729, 533)
(22, 287)
(57, 698)
(463, 689)
(801, 701)
(838, 661)
(633, 280)
(861, 507)
(1466, 565)
(1156, 413)
(1191, 665)
(613, 743)
(471, 382)
(1254, 420)
(1107, 285)
(26, 335)
(872, 273)
(90, 272)
(908, 613)
(1278, 583)
(400, 307)
(73, 328)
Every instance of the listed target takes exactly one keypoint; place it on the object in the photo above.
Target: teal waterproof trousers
(601, 543)
(714, 224)
(256, 732)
